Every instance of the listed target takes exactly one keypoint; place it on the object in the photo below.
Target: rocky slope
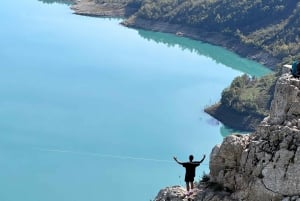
(261, 166)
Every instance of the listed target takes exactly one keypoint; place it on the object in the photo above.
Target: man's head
(191, 157)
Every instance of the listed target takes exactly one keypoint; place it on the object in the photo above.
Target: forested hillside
(269, 25)
(245, 103)
(273, 25)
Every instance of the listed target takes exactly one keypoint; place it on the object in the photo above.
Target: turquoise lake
(94, 111)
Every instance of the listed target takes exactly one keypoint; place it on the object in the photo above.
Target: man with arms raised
(190, 172)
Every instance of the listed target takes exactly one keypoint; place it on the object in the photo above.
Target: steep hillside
(270, 25)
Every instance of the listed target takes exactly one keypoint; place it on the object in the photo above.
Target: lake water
(91, 110)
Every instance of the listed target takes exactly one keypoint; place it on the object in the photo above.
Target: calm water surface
(91, 110)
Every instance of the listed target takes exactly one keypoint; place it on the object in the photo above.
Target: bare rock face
(225, 160)
(264, 165)
(285, 105)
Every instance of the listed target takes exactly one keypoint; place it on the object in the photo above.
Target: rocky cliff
(262, 166)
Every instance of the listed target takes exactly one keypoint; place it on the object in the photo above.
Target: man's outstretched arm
(180, 163)
(201, 159)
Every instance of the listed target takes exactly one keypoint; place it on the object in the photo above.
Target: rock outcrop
(264, 165)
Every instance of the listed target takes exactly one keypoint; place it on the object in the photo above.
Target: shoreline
(119, 10)
(214, 38)
(235, 120)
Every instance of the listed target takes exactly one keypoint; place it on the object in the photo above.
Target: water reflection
(219, 54)
(213, 122)
(224, 130)
(68, 2)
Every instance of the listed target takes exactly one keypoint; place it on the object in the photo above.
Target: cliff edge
(261, 166)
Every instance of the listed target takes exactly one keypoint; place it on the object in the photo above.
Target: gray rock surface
(263, 165)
